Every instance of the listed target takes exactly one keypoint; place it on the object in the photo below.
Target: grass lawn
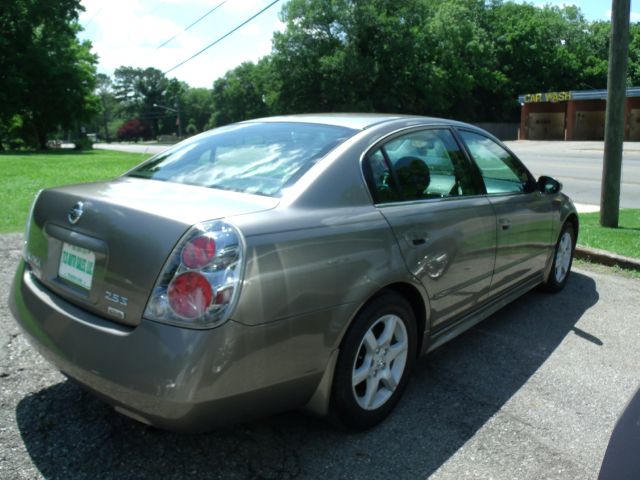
(23, 174)
(624, 240)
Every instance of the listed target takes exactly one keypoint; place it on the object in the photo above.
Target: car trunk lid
(107, 261)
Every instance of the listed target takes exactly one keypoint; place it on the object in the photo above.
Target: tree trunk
(105, 120)
(40, 135)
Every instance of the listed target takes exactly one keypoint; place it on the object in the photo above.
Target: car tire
(375, 360)
(562, 260)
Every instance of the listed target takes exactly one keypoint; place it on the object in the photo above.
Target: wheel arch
(417, 303)
(573, 219)
(417, 300)
(318, 404)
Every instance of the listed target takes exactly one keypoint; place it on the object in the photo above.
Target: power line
(92, 18)
(187, 28)
(218, 40)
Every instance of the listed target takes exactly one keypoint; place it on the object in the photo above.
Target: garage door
(589, 125)
(634, 125)
(546, 126)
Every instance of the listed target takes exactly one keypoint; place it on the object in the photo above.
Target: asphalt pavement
(530, 393)
(578, 165)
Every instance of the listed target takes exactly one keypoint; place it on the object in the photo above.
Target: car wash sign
(552, 97)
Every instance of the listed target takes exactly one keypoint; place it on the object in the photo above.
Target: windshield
(258, 158)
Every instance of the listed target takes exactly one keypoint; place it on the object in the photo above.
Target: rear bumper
(170, 377)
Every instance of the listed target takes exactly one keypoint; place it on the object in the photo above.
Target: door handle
(504, 223)
(416, 237)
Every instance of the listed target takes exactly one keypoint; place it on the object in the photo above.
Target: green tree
(173, 120)
(415, 56)
(466, 76)
(239, 95)
(309, 59)
(47, 76)
(597, 59)
(138, 90)
(464, 58)
(197, 108)
(537, 49)
(108, 104)
(633, 69)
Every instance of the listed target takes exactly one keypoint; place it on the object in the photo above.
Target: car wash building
(574, 115)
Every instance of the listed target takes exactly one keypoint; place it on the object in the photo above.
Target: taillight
(189, 295)
(200, 283)
(199, 252)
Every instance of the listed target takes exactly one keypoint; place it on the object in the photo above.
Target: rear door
(424, 186)
(523, 213)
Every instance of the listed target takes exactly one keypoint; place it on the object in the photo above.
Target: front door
(523, 213)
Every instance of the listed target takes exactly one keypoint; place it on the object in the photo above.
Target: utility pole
(179, 120)
(614, 122)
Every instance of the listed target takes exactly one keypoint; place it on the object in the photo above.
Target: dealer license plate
(76, 265)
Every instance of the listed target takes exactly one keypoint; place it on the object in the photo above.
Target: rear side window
(258, 158)
(501, 172)
(420, 165)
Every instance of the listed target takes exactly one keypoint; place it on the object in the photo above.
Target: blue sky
(128, 32)
(594, 9)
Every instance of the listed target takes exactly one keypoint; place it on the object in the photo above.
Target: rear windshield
(258, 158)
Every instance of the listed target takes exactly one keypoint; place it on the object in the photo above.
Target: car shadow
(70, 434)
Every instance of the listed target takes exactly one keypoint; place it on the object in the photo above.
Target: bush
(192, 129)
(83, 143)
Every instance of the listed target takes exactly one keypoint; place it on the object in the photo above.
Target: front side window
(501, 172)
(419, 165)
(257, 158)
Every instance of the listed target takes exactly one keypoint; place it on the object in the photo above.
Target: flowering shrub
(134, 130)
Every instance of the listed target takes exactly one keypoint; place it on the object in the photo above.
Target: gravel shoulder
(532, 392)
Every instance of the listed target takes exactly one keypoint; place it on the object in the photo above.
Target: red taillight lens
(189, 295)
(199, 252)
(200, 282)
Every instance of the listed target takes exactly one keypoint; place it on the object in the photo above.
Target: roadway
(578, 165)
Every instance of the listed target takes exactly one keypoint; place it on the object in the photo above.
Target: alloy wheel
(380, 362)
(563, 257)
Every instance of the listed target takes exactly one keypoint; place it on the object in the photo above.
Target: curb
(603, 257)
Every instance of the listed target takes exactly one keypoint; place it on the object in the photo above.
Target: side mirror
(549, 185)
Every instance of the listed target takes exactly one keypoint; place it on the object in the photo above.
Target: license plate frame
(77, 265)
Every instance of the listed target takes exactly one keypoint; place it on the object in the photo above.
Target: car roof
(357, 121)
